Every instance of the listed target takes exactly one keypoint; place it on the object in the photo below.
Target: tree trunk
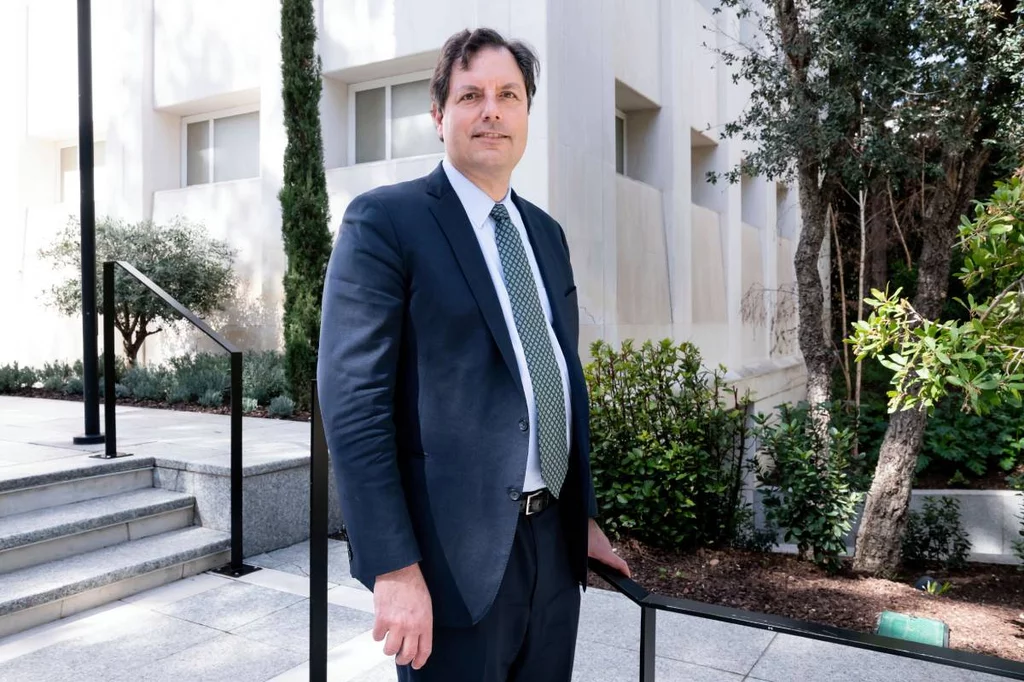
(880, 536)
(814, 345)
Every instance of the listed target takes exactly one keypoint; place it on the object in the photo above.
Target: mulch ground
(984, 608)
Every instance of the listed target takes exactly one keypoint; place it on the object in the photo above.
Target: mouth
(491, 136)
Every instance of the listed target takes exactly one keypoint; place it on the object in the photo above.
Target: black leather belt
(535, 502)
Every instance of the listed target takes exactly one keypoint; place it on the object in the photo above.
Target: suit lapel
(451, 216)
(546, 262)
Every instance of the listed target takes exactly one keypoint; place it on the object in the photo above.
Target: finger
(379, 629)
(409, 648)
(394, 644)
(425, 648)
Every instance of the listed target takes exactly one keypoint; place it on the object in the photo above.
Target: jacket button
(514, 495)
(524, 425)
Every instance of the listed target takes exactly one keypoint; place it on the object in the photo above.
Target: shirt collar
(475, 201)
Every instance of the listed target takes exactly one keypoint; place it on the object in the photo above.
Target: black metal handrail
(650, 604)
(236, 567)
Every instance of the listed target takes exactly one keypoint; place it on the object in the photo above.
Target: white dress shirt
(478, 205)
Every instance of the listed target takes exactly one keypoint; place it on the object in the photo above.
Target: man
(453, 397)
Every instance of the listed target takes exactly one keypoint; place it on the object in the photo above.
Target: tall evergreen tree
(304, 206)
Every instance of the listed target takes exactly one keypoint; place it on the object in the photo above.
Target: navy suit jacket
(422, 400)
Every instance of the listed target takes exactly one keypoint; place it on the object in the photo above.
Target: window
(69, 173)
(620, 142)
(220, 147)
(391, 119)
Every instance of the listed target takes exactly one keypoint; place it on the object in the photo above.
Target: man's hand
(599, 548)
(402, 611)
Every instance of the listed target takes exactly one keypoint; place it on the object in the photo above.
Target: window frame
(621, 115)
(386, 83)
(209, 117)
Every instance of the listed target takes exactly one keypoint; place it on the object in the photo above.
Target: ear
(438, 116)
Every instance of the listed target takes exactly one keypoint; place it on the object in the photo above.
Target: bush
(263, 376)
(666, 451)
(13, 378)
(199, 374)
(55, 375)
(751, 538)
(282, 406)
(249, 404)
(74, 386)
(212, 398)
(936, 535)
(808, 490)
(148, 384)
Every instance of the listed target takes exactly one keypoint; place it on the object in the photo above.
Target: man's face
(484, 123)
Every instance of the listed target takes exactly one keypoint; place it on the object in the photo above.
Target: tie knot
(500, 213)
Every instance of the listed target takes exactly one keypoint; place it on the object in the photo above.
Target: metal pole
(648, 649)
(236, 461)
(108, 358)
(235, 567)
(90, 382)
(318, 472)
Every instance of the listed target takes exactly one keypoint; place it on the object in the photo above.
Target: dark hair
(463, 46)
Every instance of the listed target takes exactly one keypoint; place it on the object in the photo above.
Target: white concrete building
(188, 113)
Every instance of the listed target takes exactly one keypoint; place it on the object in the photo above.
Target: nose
(491, 111)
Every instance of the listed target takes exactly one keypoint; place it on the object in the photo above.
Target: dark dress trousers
(424, 409)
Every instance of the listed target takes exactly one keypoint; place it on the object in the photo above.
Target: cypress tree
(304, 206)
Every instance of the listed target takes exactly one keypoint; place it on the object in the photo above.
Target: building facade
(623, 130)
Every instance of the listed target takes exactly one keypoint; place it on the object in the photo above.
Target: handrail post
(648, 642)
(109, 402)
(318, 524)
(236, 461)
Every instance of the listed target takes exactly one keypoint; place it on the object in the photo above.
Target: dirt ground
(984, 607)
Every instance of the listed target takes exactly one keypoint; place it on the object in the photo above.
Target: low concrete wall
(275, 499)
(990, 517)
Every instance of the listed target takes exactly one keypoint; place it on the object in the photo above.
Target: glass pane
(369, 125)
(198, 153)
(620, 145)
(236, 147)
(412, 129)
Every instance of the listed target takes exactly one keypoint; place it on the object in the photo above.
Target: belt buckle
(537, 494)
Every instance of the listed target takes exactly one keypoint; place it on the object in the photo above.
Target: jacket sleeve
(360, 335)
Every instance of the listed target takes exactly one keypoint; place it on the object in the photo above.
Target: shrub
(936, 535)
(282, 406)
(666, 451)
(148, 384)
(263, 376)
(13, 378)
(78, 369)
(55, 375)
(751, 538)
(212, 398)
(196, 375)
(807, 477)
(249, 404)
(178, 394)
(74, 386)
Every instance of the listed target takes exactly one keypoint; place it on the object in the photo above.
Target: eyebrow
(473, 88)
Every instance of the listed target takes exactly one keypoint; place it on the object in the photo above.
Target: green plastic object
(913, 629)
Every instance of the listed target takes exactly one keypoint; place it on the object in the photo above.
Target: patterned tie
(540, 356)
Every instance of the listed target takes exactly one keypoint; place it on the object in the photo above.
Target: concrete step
(35, 537)
(57, 589)
(45, 485)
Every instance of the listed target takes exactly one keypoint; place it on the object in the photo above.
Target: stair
(75, 538)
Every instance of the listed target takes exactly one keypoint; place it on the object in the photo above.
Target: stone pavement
(255, 628)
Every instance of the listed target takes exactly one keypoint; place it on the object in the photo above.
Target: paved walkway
(255, 628)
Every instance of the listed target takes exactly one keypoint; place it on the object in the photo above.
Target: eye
(468, 95)
(508, 94)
